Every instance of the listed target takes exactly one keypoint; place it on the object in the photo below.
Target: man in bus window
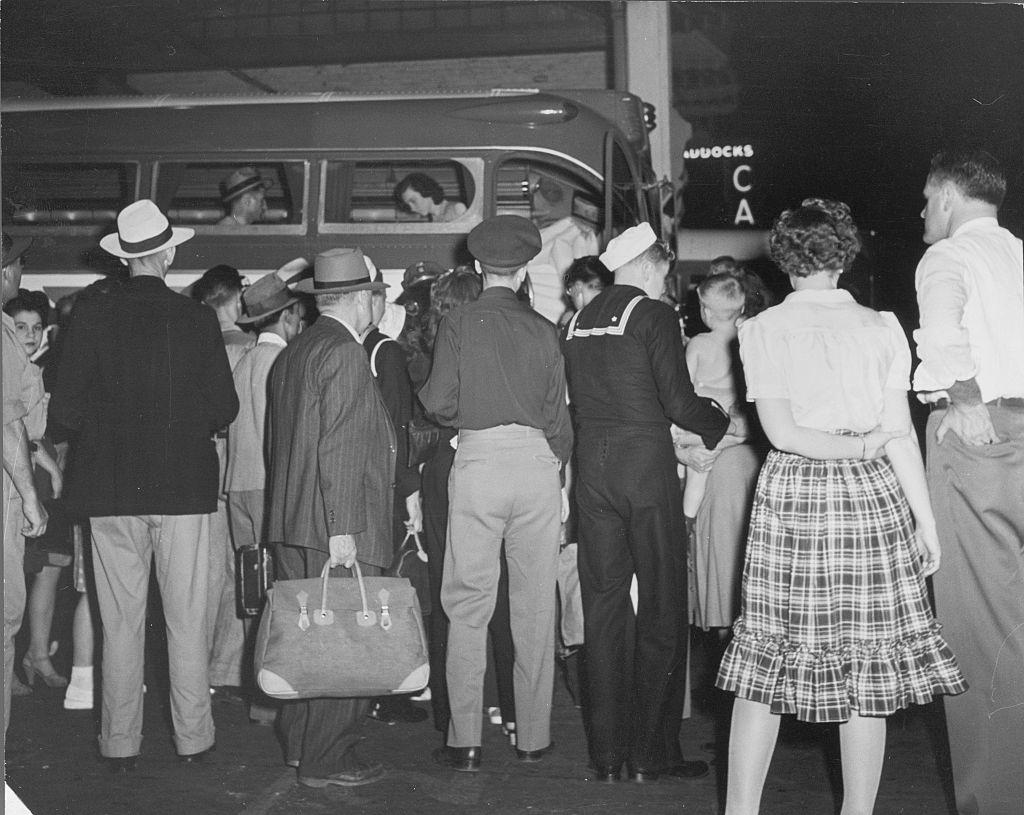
(244, 194)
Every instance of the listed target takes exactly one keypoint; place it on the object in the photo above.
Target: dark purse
(254, 574)
(423, 437)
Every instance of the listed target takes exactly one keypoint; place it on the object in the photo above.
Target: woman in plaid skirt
(835, 624)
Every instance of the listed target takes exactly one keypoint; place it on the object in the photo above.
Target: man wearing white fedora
(145, 383)
(331, 482)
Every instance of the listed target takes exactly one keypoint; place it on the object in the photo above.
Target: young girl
(835, 624)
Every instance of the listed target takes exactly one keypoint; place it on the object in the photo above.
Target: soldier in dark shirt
(628, 382)
(498, 377)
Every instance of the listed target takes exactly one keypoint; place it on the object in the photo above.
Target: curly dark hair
(421, 183)
(26, 300)
(976, 173)
(588, 270)
(820, 236)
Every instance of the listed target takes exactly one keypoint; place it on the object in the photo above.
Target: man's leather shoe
(688, 769)
(355, 777)
(606, 774)
(121, 766)
(398, 710)
(642, 775)
(460, 759)
(197, 758)
(533, 756)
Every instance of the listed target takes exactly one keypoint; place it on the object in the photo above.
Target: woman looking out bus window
(422, 195)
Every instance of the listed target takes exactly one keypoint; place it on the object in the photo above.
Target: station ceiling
(88, 47)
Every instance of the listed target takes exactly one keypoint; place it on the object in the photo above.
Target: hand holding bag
(341, 637)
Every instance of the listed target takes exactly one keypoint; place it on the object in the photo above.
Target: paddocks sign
(720, 186)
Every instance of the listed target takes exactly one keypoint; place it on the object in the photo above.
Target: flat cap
(504, 241)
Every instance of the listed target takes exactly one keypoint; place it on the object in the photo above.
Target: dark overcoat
(144, 383)
(332, 446)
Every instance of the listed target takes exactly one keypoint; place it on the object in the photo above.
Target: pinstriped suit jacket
(332, 446)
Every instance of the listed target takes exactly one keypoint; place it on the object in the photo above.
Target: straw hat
(142, 229)
(242, 180)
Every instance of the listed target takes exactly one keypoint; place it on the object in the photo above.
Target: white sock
(81, 676)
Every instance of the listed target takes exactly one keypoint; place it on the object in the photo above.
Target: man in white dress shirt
(970, 288)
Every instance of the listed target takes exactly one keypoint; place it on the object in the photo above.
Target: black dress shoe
(397, 710)
(642, 775)
(121, 766)
(606, 774)
(197, 758)
(533, 756)
(460, 759)
(687, 769)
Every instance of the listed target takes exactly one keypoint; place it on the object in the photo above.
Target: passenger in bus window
(422, 195)
(244, 195)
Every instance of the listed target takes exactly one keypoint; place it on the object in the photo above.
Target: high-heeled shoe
(38, 667)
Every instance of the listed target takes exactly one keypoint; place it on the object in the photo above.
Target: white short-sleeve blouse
(830, 357)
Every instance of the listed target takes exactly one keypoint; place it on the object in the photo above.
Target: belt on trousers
(501, 430)
(1014, 402)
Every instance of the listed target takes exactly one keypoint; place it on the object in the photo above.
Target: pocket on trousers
(551, 459)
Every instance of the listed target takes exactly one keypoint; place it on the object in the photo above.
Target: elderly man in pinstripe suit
(332, 472)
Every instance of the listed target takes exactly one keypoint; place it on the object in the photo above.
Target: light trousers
(504, 485)
(123, 548)
(977, 494)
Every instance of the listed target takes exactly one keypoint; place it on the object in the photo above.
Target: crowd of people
(762, 479)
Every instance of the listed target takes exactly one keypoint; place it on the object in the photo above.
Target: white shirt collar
(270, 338)
(974, 223)
(820, 296)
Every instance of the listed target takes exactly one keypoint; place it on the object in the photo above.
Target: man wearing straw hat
(276, 314)
(145, 382)
(332, 471)
(244, 194)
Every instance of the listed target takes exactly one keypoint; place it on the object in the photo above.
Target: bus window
(190, 192)
(564, 206)
(52, 194)
(542, 191)
(398, 191)
(626, 209)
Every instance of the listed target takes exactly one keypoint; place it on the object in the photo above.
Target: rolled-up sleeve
(440, 394)
(943, 343)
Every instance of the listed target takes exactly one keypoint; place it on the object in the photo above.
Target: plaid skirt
(834, 614)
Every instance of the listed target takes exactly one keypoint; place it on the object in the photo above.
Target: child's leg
(862, 746)
(751, 744)
(693, 492)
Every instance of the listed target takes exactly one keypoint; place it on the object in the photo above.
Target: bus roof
(266, 125)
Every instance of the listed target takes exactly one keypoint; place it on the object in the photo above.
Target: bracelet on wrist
(863, 448)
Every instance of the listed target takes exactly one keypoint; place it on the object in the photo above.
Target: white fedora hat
(142, 229)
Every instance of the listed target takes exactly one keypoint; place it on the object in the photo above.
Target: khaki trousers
(977, 494)
(225, 631)
(123, 547)
(504, 485)
(14, 582)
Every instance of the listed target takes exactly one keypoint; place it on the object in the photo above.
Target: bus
(331, 163)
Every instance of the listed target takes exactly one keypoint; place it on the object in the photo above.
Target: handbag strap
(325, 575)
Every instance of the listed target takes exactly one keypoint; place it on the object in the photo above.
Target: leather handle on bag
(364, 617)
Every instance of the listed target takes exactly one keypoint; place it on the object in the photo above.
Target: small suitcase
(254, 574)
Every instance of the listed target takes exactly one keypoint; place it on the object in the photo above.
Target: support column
(649, 71)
